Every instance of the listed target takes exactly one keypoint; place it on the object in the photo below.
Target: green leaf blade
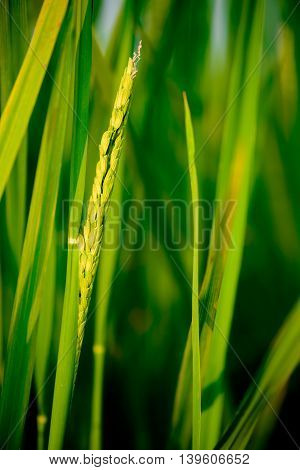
(195, 284)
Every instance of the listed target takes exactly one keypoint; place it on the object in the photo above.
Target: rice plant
(149, 300)
(89, 241)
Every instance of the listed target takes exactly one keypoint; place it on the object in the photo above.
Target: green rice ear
(90, 240)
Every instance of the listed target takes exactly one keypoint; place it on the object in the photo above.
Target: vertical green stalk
(108, 259)
(44, 334)
(195, 285)
(65, 371)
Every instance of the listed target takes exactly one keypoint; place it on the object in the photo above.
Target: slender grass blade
(195, 284)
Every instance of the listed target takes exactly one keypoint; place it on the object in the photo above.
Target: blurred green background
(187, 46)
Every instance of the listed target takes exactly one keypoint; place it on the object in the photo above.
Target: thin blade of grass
(65, 372)
(44, 334)
(195, 284)
(20, 360)
(280, 362)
